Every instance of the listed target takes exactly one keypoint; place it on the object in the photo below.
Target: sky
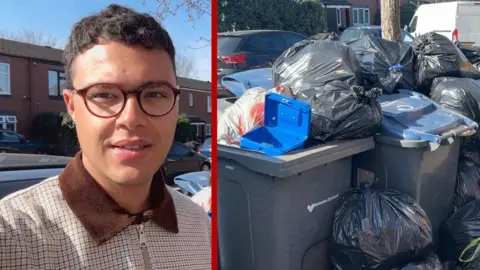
(56, 17)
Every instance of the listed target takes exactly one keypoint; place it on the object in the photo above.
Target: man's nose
(132, 115)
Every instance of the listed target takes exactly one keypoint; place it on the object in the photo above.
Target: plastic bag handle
(469, 246)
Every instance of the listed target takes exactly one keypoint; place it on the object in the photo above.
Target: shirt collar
(100, 215)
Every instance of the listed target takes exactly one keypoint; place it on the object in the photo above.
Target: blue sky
(56, 18)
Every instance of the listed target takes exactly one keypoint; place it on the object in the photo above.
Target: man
(110, 207)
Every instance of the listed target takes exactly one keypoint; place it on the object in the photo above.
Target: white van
(455, 20)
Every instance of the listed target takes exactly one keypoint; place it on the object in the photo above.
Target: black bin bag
(313, 63)
(432, 262)
(461, 237)
(325, 75)
(472, 54)
(468, 172)
(459, 94)
(379, 229)
(437, 56)
(385, 64)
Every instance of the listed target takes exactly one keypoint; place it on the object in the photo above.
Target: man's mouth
(132, 147)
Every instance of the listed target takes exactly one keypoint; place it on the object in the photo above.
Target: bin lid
(409, 115)
(240, 82)
(294, 162)
(286, 126)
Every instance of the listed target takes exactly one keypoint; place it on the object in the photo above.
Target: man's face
(103, 140)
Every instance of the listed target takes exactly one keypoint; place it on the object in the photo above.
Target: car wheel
(205, 167)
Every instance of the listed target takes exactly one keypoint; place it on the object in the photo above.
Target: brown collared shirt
(69, 222)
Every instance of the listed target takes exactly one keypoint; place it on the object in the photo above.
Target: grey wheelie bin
(276, 212)
(416, 152)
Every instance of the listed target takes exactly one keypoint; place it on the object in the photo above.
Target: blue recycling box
(416, 152)
(286, 127)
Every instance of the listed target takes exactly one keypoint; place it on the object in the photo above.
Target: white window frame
(208, 130)
(339, 17)
(209, 104)
(12, 120)
(356, 13)
(190, 99)
(9, 91)
(3, 122)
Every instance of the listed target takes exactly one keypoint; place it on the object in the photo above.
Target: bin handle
(469, 246)
(458, 131)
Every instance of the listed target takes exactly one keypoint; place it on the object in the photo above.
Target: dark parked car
(250, 49)
(181, 159)
(12, 142)
(353, 33)
(19, 171)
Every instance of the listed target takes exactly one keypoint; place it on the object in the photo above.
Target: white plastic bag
(247, 113)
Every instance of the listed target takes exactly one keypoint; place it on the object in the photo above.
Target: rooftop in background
(45, 53)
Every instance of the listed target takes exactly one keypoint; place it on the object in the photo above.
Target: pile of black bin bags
(326, 74)
(383, 229)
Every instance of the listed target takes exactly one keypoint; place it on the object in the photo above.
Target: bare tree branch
(186, 67)
(31, 37)
(195, 9)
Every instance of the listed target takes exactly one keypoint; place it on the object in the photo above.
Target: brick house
(341, 14)
(30, 80)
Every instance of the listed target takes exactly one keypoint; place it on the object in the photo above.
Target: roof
(26, 50)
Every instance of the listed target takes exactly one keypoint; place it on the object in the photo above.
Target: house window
(12, 123)
(190, 100)
(56, 83)
(339, 17)
(361, 16)
(209, 104)
(8, 123)
(208, 130)
(5, 79)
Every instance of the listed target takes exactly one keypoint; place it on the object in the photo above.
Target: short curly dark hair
(116, 23)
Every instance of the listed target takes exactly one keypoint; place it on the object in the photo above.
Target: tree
(31, 37)
(390, 17)
(185, 67)
(306, 17)
(195, 10)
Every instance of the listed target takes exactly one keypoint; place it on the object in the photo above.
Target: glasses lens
(157, 99)
(104, 100)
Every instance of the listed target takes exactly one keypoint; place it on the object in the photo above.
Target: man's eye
(103, 95)
(155, 95)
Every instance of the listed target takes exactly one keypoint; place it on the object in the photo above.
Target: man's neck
(134, 199)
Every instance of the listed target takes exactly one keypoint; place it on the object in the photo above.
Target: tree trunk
(390, 17)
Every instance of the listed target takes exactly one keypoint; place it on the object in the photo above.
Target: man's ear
(68, 98)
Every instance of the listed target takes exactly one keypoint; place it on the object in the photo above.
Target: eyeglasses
(108, 100)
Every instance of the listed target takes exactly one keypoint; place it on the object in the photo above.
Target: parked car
(19, 171)
(12, 142)
(356, 32)
(206, 148)
(191, 183)
(250, 49)
(181, 159)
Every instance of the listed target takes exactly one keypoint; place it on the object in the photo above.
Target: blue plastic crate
(286, 127)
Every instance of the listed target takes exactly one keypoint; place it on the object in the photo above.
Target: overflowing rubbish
(385, 64)
(437, 56)
(246, 113)
(461, 238)
(379, 229)
(459, 94)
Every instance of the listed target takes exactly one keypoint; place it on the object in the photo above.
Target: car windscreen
(227, 44)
